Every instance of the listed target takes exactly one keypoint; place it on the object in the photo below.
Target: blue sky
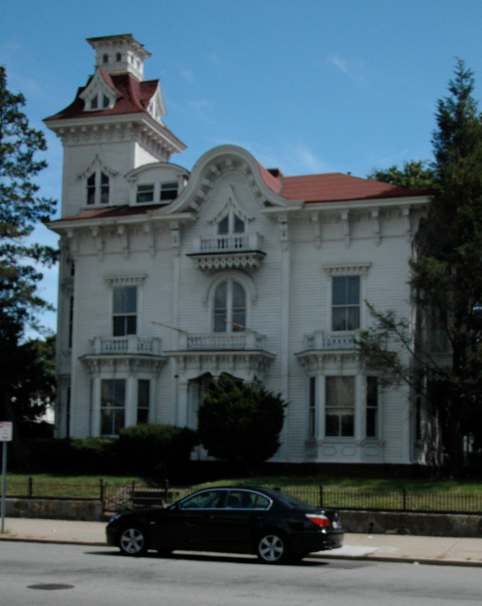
(309, 86)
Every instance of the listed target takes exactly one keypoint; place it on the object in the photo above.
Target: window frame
(229, 307)
(125, 315)
(98, 188)
(313, 387)
(144, 408)
(168, 187)
(370, 407)
(114, 409)
(152, 188)
(346, 306)
(339, 435)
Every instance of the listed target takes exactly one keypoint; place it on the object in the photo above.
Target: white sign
(5, 431)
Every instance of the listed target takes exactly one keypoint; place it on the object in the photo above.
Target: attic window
(118, 57)
(94, 102)
(168, 191)
(145, 193)
(105, 58)
(105, 101)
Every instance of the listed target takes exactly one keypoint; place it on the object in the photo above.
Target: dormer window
(105, 58)
(118, 57)
(98, 189)
(105, 101)
(145, 193)
(231, 224)
(168, 191)
(94, 102)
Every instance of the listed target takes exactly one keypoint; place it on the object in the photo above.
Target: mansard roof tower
(115, 121)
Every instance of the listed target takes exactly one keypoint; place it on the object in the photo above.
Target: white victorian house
(171, 276)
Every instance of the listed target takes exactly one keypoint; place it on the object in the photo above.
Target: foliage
(240, 421)
(447, 282)
(155, 449)
(21, 209)
(415, 174)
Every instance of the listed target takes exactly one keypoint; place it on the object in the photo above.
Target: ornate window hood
(242, 251)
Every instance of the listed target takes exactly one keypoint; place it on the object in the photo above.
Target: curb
(368, 558)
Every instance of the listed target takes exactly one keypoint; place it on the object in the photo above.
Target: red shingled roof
(110, 213)
(133, 96)
(334, 187)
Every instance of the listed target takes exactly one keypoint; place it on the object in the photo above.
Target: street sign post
(5, 436)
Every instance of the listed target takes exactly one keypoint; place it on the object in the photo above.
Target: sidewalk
(377, 547)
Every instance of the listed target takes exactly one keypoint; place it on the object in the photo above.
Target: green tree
(21, 209)
(239, 421)
(415, 174)
(447, 285)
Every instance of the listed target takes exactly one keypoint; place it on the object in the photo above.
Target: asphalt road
(38, 575)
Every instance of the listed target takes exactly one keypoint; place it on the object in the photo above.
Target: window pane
(169, 191)
(347, 425)
(339, 290)
(106, 422)
(143, 393)
(220, 296)
(91, 189)
(220, 321)
(352, 318)
(131, 325)
(118, 421)
(372, 391)
(239, 296)
(119, 326)
(125, 299)
(353, 290)
(340, 392)
(238, 225)
(339, 322)
(145, 193)
(332, 425)
(371, 422)
(205, 500)
(239, 320)
(223, 226)
(105, 101)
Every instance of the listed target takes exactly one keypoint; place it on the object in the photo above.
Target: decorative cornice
(247, 261)
(340, 269)
(125, 279)
(96, 164)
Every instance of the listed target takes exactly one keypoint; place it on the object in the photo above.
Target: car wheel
(272, 548)
(132, 541)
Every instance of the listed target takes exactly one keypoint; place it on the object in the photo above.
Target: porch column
(131, 401)
(96, 405)
(360, 407)
(182, 402)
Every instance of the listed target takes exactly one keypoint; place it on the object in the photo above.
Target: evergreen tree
(21, 209)
(447, 284)
(416, 174)
(239, 421)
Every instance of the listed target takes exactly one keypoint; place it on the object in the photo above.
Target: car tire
(133, 541)
(272, 548)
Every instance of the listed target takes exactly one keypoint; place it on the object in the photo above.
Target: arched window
(98, 188)
(231, 224)
(229, 307)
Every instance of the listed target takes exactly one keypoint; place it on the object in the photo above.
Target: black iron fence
(116, 497)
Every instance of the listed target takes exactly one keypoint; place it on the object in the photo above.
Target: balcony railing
(130, 344)
(231, 243)
(320, 340)
(241, 341)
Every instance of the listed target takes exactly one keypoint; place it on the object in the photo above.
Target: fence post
(166, 489)
(101, 491)
(321, 494)
(404, 499)
(30, 487)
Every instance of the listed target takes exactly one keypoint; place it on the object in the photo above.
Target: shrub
(240, 422)
(158, 450)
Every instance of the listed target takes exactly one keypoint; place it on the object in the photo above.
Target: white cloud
(339, 62)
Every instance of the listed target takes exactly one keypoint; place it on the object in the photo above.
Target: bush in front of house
(84, 456)
(157, 450)
(240, 422)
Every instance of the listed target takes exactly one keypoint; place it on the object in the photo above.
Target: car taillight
(319, 520)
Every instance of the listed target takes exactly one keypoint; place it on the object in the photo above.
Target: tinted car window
(210, 499)
(242, 499)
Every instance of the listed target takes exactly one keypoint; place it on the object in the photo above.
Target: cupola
(120, 54)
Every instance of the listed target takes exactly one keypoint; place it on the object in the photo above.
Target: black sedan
(268, 523)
